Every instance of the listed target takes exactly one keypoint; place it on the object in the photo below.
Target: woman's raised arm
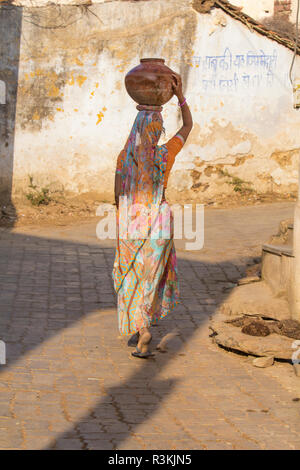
(185, 110)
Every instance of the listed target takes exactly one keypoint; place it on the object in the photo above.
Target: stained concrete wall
(73, 114)
(10, 34)
(293, 15)
(267, 8)
(256, 9)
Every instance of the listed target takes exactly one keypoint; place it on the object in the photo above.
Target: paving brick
(70, 381)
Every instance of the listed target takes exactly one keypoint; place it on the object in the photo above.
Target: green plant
(37, 196)
(238, 184)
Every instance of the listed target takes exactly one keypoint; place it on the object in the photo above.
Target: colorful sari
(145, 268)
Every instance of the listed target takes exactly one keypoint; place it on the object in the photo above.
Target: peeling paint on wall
(73, 113)
(287, 158)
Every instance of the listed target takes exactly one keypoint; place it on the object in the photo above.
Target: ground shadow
(48, 285)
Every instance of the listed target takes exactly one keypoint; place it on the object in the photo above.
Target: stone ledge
(286, 250)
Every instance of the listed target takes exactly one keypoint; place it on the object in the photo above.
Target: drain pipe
(296, 280)
(295, 307)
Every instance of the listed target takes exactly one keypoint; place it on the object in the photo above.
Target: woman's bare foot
(144, 340)
(142, 349)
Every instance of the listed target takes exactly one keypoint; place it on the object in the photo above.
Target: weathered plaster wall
(267, 8)
(245, 123)
(10, 33)
(293, 14)
(73, 113)
(256, 9)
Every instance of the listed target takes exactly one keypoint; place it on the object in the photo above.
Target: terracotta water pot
(150, 83)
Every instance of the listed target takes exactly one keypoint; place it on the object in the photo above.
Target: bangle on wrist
(181, 104)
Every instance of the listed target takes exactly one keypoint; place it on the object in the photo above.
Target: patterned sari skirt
(145, 278)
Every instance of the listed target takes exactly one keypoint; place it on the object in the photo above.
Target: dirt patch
(57, 212)
(235, 199)
(65, 211)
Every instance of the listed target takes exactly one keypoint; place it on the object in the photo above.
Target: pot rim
(152, 59)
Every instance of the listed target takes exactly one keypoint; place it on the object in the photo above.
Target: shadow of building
(10, 34)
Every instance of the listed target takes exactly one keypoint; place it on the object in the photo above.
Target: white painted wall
(293, 14)
(263, 8)
(235, 80)
(242, 104)
(256, 9)
(43, 3)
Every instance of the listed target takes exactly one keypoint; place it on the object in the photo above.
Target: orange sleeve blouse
(174, 145)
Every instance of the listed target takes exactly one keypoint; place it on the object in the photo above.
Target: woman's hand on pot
(177, 84)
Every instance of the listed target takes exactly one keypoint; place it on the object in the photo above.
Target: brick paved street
(70, 381)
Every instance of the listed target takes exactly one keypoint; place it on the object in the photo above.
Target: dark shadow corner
(10, 34)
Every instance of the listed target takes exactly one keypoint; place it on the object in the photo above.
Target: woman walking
(145, 267)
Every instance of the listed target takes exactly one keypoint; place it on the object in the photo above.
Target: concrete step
(290, 234)
(277, 268)
(286, 250)
(284, 235)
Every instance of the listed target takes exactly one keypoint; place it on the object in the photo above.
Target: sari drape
(145, 268)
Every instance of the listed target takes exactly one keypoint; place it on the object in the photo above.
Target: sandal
(144, 340)
(142, 355)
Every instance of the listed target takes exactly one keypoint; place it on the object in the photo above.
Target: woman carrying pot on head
(145, 267)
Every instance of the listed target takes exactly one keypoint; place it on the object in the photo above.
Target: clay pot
(150, 83)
